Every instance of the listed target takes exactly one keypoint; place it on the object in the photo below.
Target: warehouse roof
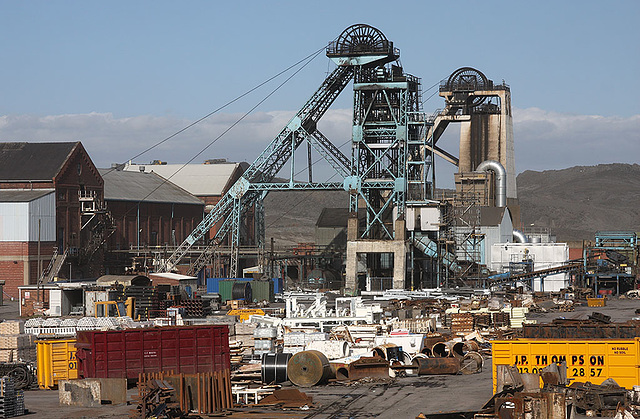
(135, 186)
(33, 161)
(199, 179)
(23, 195)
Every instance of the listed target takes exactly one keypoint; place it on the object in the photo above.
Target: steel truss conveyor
(249, 191)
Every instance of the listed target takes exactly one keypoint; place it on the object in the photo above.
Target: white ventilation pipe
(501, 180)
(519, 237)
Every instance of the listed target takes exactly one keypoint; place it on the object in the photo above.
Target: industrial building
(405, 281)
(67, 232)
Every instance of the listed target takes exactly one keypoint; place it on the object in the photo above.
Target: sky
(122, 76)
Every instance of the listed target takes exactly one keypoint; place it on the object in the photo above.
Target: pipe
(501, 180)
(519, 237)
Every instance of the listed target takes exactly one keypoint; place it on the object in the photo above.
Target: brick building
(209, 182)
(33, 178)
(148, 210)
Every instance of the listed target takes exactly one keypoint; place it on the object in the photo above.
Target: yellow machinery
(115, 308)
(56, 361)
(245, 313)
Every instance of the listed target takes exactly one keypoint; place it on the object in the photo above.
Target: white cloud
(543, 139)
(547, 140)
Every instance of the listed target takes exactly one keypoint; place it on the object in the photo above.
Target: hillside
(574, 202)
(581, 200)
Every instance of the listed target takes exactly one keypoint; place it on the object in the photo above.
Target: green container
(224, 289)
(262, 290)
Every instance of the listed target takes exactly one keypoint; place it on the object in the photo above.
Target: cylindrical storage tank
(241, 291)
(436, 366)
(471, 363)
(274, 368)
(308, 368)
(262, 290)
(56, 361)
(388, 351)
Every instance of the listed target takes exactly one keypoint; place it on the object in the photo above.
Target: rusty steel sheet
(436, 366)
(366, 366)
(581, 329)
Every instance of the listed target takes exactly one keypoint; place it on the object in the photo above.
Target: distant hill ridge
(578, 201)
(574, 202)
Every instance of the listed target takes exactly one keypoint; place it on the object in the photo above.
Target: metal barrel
(436, 366)
(308, 368)
(241, 291)
(274, 368)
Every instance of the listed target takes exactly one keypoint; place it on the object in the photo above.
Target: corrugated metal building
(209, 182)
(543, 256)
(148, 210)
(27, 217)
(493, 225)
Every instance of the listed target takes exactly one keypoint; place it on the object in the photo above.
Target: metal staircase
(52, 270)
(430, 249)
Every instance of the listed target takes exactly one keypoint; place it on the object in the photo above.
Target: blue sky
(122, 75)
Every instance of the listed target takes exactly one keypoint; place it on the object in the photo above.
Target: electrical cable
(310, 59)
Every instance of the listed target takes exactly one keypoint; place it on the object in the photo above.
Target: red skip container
(127, 353)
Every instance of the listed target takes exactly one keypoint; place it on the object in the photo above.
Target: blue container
(213, 284)
(277, 285)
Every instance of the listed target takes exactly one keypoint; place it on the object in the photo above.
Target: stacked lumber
(15, 345)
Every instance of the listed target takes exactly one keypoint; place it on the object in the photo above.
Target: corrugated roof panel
(137, 186)
(23, 195)
(199, 179)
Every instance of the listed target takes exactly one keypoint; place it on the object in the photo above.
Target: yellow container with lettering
(56, 361)
(587, 360)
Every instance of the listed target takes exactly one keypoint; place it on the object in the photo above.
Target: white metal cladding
(43, 209)
(19, 220)
(544, 255)
(14, 221)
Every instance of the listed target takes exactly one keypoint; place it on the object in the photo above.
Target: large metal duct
(501, 180)
(519, 237)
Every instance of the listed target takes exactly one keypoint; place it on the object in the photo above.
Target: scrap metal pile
(522, 395)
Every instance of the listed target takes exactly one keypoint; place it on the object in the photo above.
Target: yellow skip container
(56, 361)
(587, 360)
